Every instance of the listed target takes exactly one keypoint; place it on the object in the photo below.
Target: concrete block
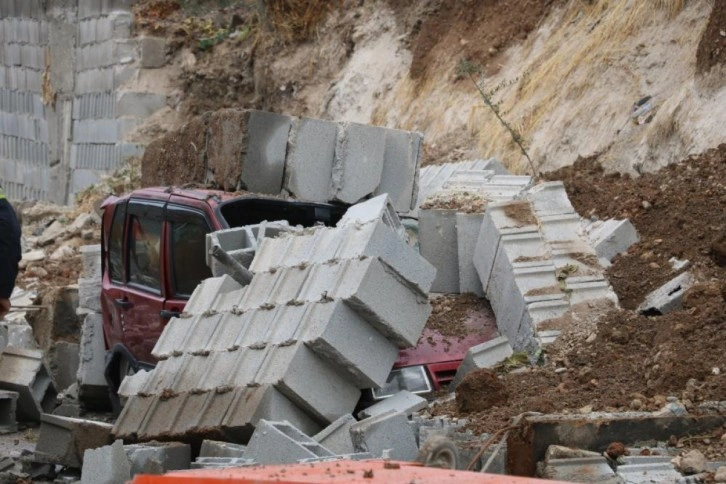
(139, 104)
(265, 145)
(133, 384)
(580, 469)
(612, 237)
(377, 208)
(92, 386)
(589, 288)
(241, 242)
(550, 198)
(560, 228)
(64, 440)
(207, 291)
(282, 443)
(402, 402)
(399, 177)
(23, 371)
(91, 256)
(20, 336)
(388, 431)
(468, 227)
(214, 448)
(647, 473)
(63, 363)
(484, 355)
(89, 294)
(106, 465)
(438, 244)
(336, 436)
(358, 162)
(309, 161)
(668, 297)
(94, 80)
(222, 462)
(158, 457)
(153, 52)
(96, 131)
(8, 406)
(548, 337)
(95, 56)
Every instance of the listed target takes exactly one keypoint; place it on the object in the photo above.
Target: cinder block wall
(65, 102)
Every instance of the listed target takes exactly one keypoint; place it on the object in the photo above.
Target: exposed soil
(480, 390)
(712, 48)
(450, 311)
(613, 359)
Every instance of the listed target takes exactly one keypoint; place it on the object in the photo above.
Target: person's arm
(9, 256)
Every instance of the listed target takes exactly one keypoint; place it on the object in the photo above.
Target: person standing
(10, 252)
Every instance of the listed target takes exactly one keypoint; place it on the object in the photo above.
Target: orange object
(362, 472)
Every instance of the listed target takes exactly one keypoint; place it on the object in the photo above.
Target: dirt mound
(480, 390)
(678, 212)
(712, 48)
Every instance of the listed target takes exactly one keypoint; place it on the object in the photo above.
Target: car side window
(145, 252)
(188, 260)
(115, 244)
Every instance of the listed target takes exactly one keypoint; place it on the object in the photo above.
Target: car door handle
(123, 303)
(169, 314)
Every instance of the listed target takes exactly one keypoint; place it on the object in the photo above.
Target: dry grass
(297, 20)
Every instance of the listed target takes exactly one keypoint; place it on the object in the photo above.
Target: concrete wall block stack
(89, 8)
(8, 406)
(485, 355)
(358, 162)
(96, 131)
(390, 430)
(561, 227)
(95, 56)
(372, 210)
(438, 244)
(24, 372)
(64, 440)
(94, 80)
(468, 227)
(336, 436)
(550, 198)
(205, 294)
(309, 162)
(589, 288)
(282, 443)
(547, 306)
(264, 150)
(95, 105)
(92, 386)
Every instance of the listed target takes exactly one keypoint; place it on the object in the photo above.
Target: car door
(187, 228)
(143, 297)
(114, 274)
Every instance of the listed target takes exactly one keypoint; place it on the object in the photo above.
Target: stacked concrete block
(241, 243)
(295, 344)
(64, 440)
(24, 372)
(8, 406)
(390, 431)
(668, 297)
(336, 436)
(485, 355)
(282, 443)
(402, 402)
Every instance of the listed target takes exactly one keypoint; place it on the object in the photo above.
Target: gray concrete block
(89, 294)
(94, 80)
(23, 371)
(468, 227)
(214, 448)
(222, 462)
(106, 465)
(96, 131)
(133, 384)
(89, 8)
(580, 469)
(241, 243)
(377, 208)
(561, 228)
(153, 52)
(158, 457)
(612, 237)
(668, 297)
(647, 473)
(91, 256)
(282, 443)
(389, 431)
(63, 362)
(207, 291)
(139, 104)
(336, 436)
(95, 56)
(8, 406)
(438, 244)
(402, 159)
(402, 402)
(309, 162)
(358, 162)
(63, 440)
(265, 150)
(484, 355)
(20, 336)
(92, 385)
(550, 198)
(589, 288)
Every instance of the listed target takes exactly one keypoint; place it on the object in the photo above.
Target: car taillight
(412, 378)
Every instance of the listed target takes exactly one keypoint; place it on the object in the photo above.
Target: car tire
(124, 367)
(440, 452)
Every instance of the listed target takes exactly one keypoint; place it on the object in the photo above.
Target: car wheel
(124, 368)
(439, 452)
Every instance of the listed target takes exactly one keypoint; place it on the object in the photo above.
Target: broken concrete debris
(8, 405)
(485, 355)
(308, 159)
(64, 440)
(403, 402)
(24, 372)
(280, 443)
(356, 282)
(668, 297)
(388, 432)
(611, 237)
